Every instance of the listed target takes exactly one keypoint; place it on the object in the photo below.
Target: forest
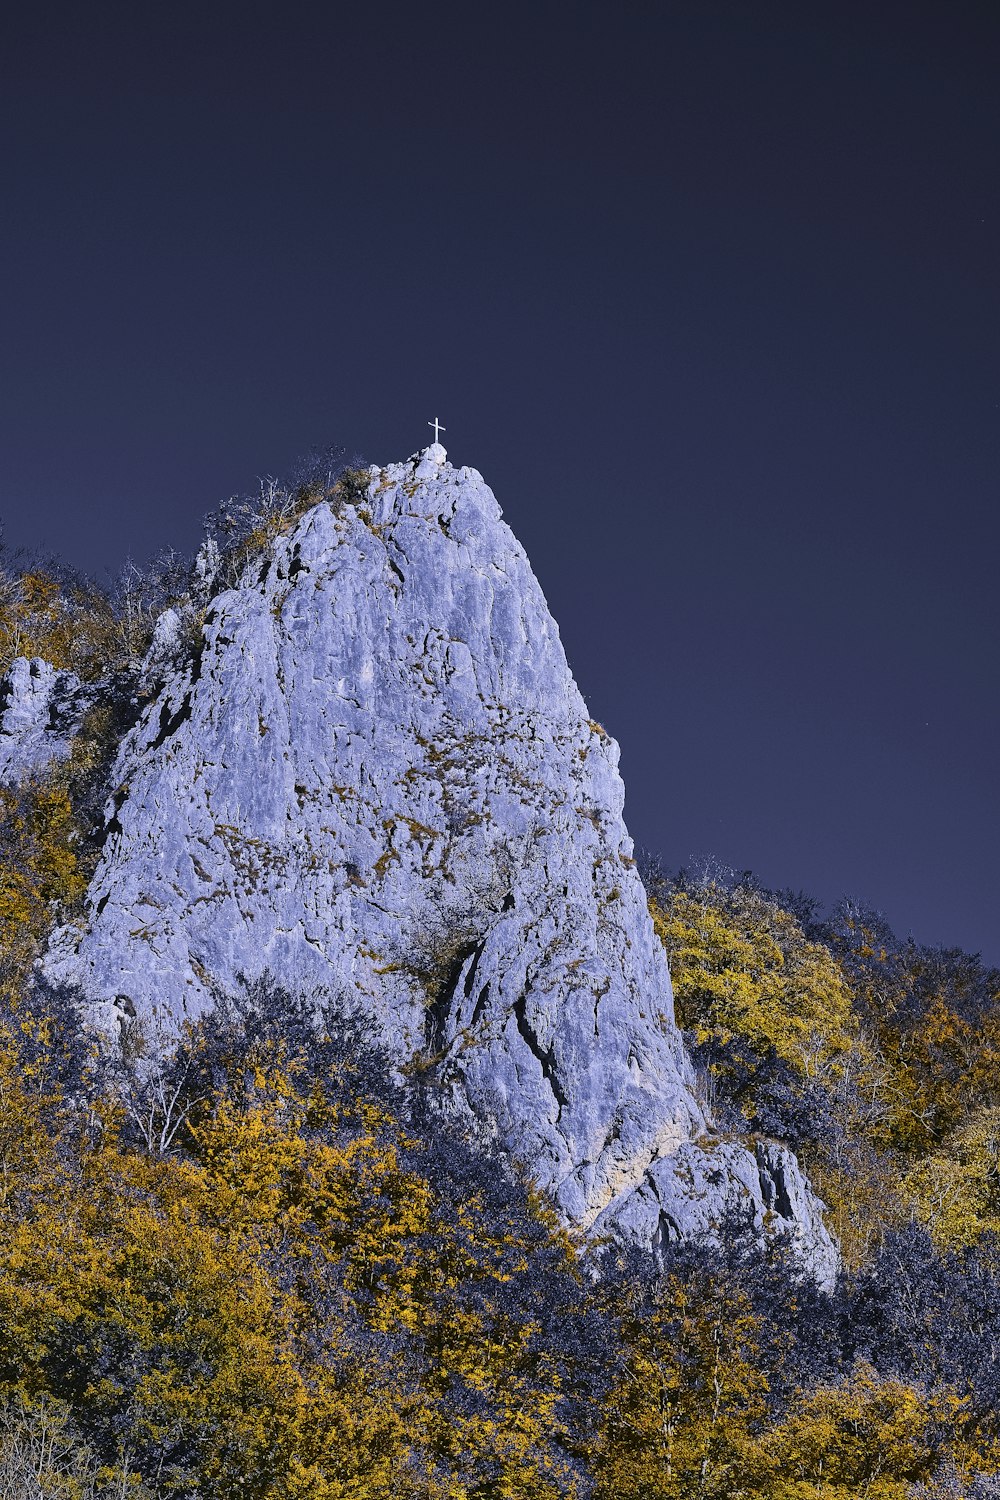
(264, 1266)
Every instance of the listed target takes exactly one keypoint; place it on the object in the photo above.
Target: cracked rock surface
(40, 712)
(377, 781)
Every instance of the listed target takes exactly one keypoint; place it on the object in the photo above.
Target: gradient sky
(709, 293)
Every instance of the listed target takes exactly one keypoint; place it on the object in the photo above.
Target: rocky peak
(377, 782)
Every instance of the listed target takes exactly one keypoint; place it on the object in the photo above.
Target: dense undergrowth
(878, 1059)
(259, 1269)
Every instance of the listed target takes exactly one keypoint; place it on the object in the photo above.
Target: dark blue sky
(709, 292)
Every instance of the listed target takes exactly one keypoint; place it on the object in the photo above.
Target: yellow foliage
(308, 1182)
(247, 1298)
(866, 1437)
(680, 1418)
(956, 1189)
(741, 966)
(40, 870)
(688, 1419)
(940, 1058)
(865, 1199)
(72, 626)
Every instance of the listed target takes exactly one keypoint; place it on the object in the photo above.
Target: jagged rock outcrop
(377, 781)
(40, 711)
(689, 1193)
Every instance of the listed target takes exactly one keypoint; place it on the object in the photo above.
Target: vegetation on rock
(260, 1268)
(267, 1268)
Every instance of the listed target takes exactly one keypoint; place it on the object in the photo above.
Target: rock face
(378, 782)
(686, 1195)
(40, 712)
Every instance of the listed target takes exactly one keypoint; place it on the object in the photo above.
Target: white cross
(437, 428)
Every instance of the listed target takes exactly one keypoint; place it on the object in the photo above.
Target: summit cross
(437, 428)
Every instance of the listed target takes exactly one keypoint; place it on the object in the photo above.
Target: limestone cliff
(376, 781)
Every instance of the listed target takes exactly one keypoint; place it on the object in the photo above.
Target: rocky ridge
(376, 781)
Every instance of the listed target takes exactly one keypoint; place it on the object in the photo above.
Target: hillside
(350, 1143)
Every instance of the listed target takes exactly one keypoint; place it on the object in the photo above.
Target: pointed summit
(376, 782)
